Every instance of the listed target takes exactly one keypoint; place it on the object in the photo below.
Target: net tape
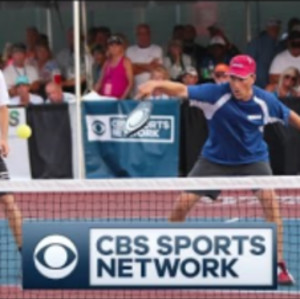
(153, 184)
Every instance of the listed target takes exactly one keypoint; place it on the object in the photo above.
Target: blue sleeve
(277, 110)
(207, 92)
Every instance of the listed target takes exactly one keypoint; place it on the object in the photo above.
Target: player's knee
(7, 200)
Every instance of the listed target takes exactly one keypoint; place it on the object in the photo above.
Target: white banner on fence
(18, 162)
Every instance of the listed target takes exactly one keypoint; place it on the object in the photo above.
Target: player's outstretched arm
(175, 89)
(294, 120)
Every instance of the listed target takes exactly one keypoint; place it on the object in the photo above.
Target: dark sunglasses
(289, 77)
(220, 74)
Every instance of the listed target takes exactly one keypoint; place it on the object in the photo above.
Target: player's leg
(271, 210)
(11, 209)
(183, 205)
(14, 217)
(186, 200)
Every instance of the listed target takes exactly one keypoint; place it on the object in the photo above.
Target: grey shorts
(4, 175)
(205, 168)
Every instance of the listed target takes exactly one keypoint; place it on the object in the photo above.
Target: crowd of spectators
(35, 75)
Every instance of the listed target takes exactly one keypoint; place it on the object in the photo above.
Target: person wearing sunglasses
(286, 58)
(220, 73)
(288, 84)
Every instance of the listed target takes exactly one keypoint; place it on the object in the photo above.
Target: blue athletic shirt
(235, 126)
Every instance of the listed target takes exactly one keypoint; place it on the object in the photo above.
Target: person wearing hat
(216, 53)
(116, 78)
(189, 76)
(18, 67)
(216, 30)
(220, 73)
(236, 113)
(23, 96)
(176, 61)
(263, 49)
(286, 58)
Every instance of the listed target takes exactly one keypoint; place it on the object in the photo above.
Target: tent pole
(76, 21)
(49, 27)
(248, 21)
(87, 55)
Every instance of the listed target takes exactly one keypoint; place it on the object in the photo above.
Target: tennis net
(140, 202)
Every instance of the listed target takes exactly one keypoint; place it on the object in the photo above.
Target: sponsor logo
(98, 127)
(55, 257)
(110, 128)
(254, 117)
(152, 255)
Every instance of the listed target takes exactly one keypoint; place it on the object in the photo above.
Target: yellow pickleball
(24, 131)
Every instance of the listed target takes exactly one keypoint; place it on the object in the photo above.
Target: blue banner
(153, 151)
(99, 254)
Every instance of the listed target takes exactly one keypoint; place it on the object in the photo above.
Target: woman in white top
(24, 97)
(176, 61)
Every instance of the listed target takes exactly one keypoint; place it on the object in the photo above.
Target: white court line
(232, 220)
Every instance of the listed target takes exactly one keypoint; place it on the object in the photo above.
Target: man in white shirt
(18, 67)
(6, 198)
(55, 94)
(144, 56)
(23, 96)
(286, 58)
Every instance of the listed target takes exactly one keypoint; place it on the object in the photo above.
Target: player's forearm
(175, 89)
(294, 120)
(139, 68)
(4, 122)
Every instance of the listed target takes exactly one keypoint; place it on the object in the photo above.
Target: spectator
(158, 74)
(116, 79)
(7, 55)
(176, 61)
(220, 74)
(286, 58)
(23, 95)
(99, 57)
(32, 37)
(56, 95)
(215, 30)
(178, 32)
(190, 76)
(43, 39)
(190, 47)
(65, 60)
(124, 38)
(103, 33)
(288, 84)
(263, 49)
(292, 25)
(145, 56)
(17, 68)
(44, 62)
(91, 36)
(216, 53)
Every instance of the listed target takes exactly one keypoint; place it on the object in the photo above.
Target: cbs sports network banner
(153, 151)
(95, 255)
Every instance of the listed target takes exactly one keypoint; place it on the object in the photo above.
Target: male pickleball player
(236, 113)
(7, 199)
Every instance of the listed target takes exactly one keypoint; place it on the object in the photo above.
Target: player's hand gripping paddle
(138, 118)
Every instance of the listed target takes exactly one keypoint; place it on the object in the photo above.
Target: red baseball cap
(242, 66)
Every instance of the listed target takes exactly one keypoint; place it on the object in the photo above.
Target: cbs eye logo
(55, 257)
(98, 127)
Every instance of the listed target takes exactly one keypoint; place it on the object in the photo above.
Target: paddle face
(138, 118)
